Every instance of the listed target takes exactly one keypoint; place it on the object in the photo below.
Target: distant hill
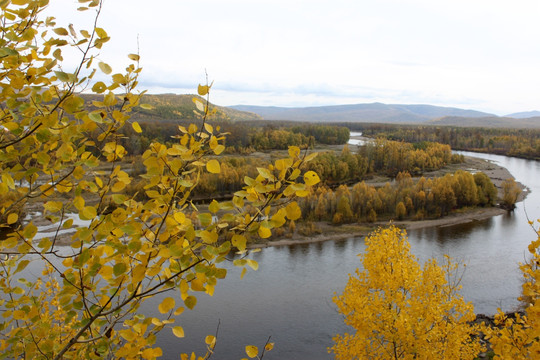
(488, 121)
(524, 114)
(375, 112)
(178, 107)
(168, 107)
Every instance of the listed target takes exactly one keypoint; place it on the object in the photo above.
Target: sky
(473, 54)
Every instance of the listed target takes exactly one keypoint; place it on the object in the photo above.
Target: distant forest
(397, 152)
(243, 137)
(523, 143)
(383, 157)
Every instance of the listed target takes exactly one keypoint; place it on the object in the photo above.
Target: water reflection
(299, 249)
(508, 219)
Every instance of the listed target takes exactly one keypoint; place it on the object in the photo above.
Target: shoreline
(496, 173)
(465, 217)
(330, 232)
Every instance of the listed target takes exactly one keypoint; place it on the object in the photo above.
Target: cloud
(481, 54)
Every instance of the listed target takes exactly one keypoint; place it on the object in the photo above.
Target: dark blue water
(290, 297)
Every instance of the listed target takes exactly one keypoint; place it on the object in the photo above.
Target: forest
(242, 137)
(523, 143)
(403, 198)
(388, 158)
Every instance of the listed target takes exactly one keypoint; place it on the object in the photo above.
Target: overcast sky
(482, 55)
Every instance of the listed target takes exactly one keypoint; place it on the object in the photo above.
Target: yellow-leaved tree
(399, 310)
(519, 337)
(62, 156)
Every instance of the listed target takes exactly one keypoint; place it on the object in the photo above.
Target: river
(290, 297)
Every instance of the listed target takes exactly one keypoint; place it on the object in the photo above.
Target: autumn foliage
(425, 198)
(64, 157)
(516, 141)
(519, 338)
(399, 310)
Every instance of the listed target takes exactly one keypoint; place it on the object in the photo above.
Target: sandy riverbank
(496, 173)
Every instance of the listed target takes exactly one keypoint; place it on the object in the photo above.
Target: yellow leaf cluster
(65, 150)
(400, 310)
(518, 338)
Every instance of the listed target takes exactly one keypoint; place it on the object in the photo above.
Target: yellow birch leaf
(138, 273)
(190, 302)
(311, 178)
(135, 125)
(146, 106)
(166, 305)
(44, 244)
(21, 265)
(8, 180)
(278, 219)
(67, 224)
(239, 241)
(99, 87)
(310, 157)
(264, 232)
(53, 206)
(205, 219)
(61, 31)
(197, 285)
(238, 202)
(293, 211)
(252, 351)
(19, 315)
(213, 207)
(199, 105)
(178, 331)
(127, 334)
(202, 89)
(151, 353)
(78, 173)
(88, 213)
(119, 269)
(253, 264)
(12, 218)
(213, 142)
(79, 202)
(294, 174)
(294, 151)
(210, 340)
(29, 231)
(180, 217)
(302, 193)
(219, 149)
(209, 237)
(288, 191)
(105, 67)
(178, 311)
(213, 166)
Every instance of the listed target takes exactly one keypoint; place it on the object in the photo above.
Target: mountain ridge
(488, 121)
(170, 107)
(524, 114)
(369, 112)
